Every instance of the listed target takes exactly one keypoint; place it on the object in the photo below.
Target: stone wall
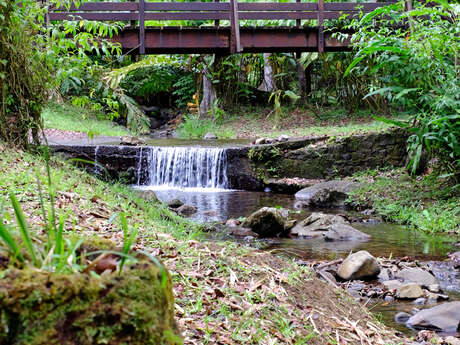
(111, 162)
(250, 167)
(330, 157)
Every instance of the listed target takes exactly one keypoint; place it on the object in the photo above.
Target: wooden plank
(187, 6)
(141, 27)
(124, 16)
(102, 6)
(298, 21)
(235, 46)
(113, 16)
(278, 15)
(349, 6)
(186, 15)
(216, 22)
(320, 26)
(266, 6)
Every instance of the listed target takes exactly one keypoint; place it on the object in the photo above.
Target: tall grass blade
(49, 230)
(23, 228)
(128, 239)
(59, 240)
(50, 190)
(10, 242)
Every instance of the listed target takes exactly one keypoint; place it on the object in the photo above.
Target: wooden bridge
(220, 27)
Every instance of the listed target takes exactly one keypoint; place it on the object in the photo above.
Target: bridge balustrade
(220, 29)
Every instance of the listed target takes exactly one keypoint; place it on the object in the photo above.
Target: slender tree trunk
(209, 95)
(268, 84)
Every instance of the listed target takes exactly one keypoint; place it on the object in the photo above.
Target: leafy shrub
(412, 56)
(194, 127)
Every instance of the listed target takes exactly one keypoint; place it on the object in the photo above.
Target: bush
(412, 56)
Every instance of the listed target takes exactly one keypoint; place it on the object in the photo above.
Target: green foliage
(194, 127)
(277, 96)
(412, 56)
(80, 118)
(37, 57)
(24, 77)
(428, 203)
(57, 251)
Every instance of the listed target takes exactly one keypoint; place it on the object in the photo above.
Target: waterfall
(97, 168)
(188, 167)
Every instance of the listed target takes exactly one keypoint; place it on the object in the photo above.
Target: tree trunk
(209, 95)
(268, 84)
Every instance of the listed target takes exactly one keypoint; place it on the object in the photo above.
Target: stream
(196, 176)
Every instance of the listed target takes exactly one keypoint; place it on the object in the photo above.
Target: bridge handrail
(233, 11)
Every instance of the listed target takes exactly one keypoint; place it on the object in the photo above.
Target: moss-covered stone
(334, 157)
(136, 307)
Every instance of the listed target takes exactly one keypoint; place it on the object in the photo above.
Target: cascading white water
(188, 167)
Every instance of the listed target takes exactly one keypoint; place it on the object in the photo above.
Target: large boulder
(344, 232)
(316, 225)
(326, 194)
(359, 265)
(268, 222)
(444, 317)
(417, 275)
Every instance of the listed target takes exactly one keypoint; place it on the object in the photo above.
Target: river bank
(225, 292)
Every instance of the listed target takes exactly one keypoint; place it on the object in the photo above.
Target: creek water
(196, 176)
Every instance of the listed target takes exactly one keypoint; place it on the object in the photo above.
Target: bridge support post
(320, 26)
(235, 45)
(141, 27)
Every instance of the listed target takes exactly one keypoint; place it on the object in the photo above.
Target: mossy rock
(136, 307)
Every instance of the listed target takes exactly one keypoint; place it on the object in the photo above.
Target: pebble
(389, 299)
(402, 317)
(434, 287)
(420, 301)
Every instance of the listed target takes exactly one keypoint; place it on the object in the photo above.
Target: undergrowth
(194, 127)
(429, 203)
(72, 118)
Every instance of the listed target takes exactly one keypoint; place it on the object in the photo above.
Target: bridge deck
(189, 40)
(230, 38)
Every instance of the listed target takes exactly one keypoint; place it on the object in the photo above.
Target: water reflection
(386, 239)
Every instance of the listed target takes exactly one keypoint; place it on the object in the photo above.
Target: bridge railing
(232, 11)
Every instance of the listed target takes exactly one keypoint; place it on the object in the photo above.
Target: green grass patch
(72, 118)
(428, 203)
(194, 127)
(252, 122)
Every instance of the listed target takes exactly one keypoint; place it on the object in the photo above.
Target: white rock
(359, 265)
(409, 290)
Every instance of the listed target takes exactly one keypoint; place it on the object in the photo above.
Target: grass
(253, 122)
(225, 292)
(194, 127)
(428, 203)
(67, 117)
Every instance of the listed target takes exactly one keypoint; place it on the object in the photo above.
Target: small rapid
(187, 167)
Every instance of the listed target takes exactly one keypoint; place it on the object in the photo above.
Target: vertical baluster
(216, 22)
(298, 21)
(142, 27)
(235, 46)
(320, 26)
(132, 23)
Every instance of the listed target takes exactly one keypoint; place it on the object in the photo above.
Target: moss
(136, 307)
